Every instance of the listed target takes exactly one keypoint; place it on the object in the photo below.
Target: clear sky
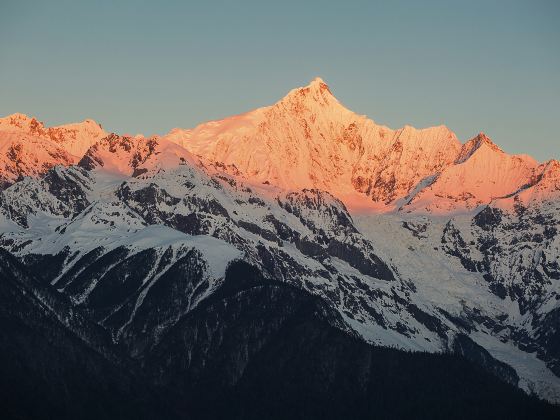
(148, 66)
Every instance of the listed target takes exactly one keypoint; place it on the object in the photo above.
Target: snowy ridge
(310, 140)
(28, 148)
(482, 173)
(411, 283)
(417, 241)
(75, 138)
(306, 140)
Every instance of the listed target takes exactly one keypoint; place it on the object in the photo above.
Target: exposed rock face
(118, 154)
(28, 148)
(75, 138)
(310, 140)
(138, 253)
(253, 348)
(307, 140)
(403, 239)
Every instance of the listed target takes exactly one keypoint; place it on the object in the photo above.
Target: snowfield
(419, 242)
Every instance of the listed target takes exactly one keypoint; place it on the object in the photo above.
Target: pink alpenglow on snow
(308, 139)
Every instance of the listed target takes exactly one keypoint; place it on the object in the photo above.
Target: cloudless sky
(148, 66)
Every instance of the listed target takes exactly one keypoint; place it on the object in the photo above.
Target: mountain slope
(23, 155)
(28, 148)
(408, 239)
(47, 370)
(255, 349)
(75, 138)
(309, 140)
(115, 243)
(295, 364)
(306, 140)
(482, 172)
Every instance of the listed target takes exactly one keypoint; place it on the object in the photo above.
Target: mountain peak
(20, 122)
(17, 116)
(31, 125)
(482, 138)
(317, 91)
(474, 144)
(319, 84)
(90, 122)
(551, 169)
(87, 125)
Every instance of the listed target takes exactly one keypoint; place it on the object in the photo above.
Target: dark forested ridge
(254, 349)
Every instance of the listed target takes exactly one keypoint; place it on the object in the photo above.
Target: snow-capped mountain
(481, 173)
(28, 148)
(407, 238)
(310, 140)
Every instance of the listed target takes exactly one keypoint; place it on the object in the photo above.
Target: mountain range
(295, 250)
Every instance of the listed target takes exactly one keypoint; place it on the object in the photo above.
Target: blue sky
(146, 67)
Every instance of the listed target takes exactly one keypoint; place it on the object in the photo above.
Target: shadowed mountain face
(254, 349)
(298, 259)
(54, 363)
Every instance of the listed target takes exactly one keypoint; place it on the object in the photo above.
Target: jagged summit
(475, 144)
(409, 238)
(88, 122)
(318, 81)
(28, 148)
(308, 139)
(319, 85)
(411, 281)
(316, 94)
(23, 122)
(15, 117)
(316, 85)
(19, 122)
(553, 164)
(481, 139)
